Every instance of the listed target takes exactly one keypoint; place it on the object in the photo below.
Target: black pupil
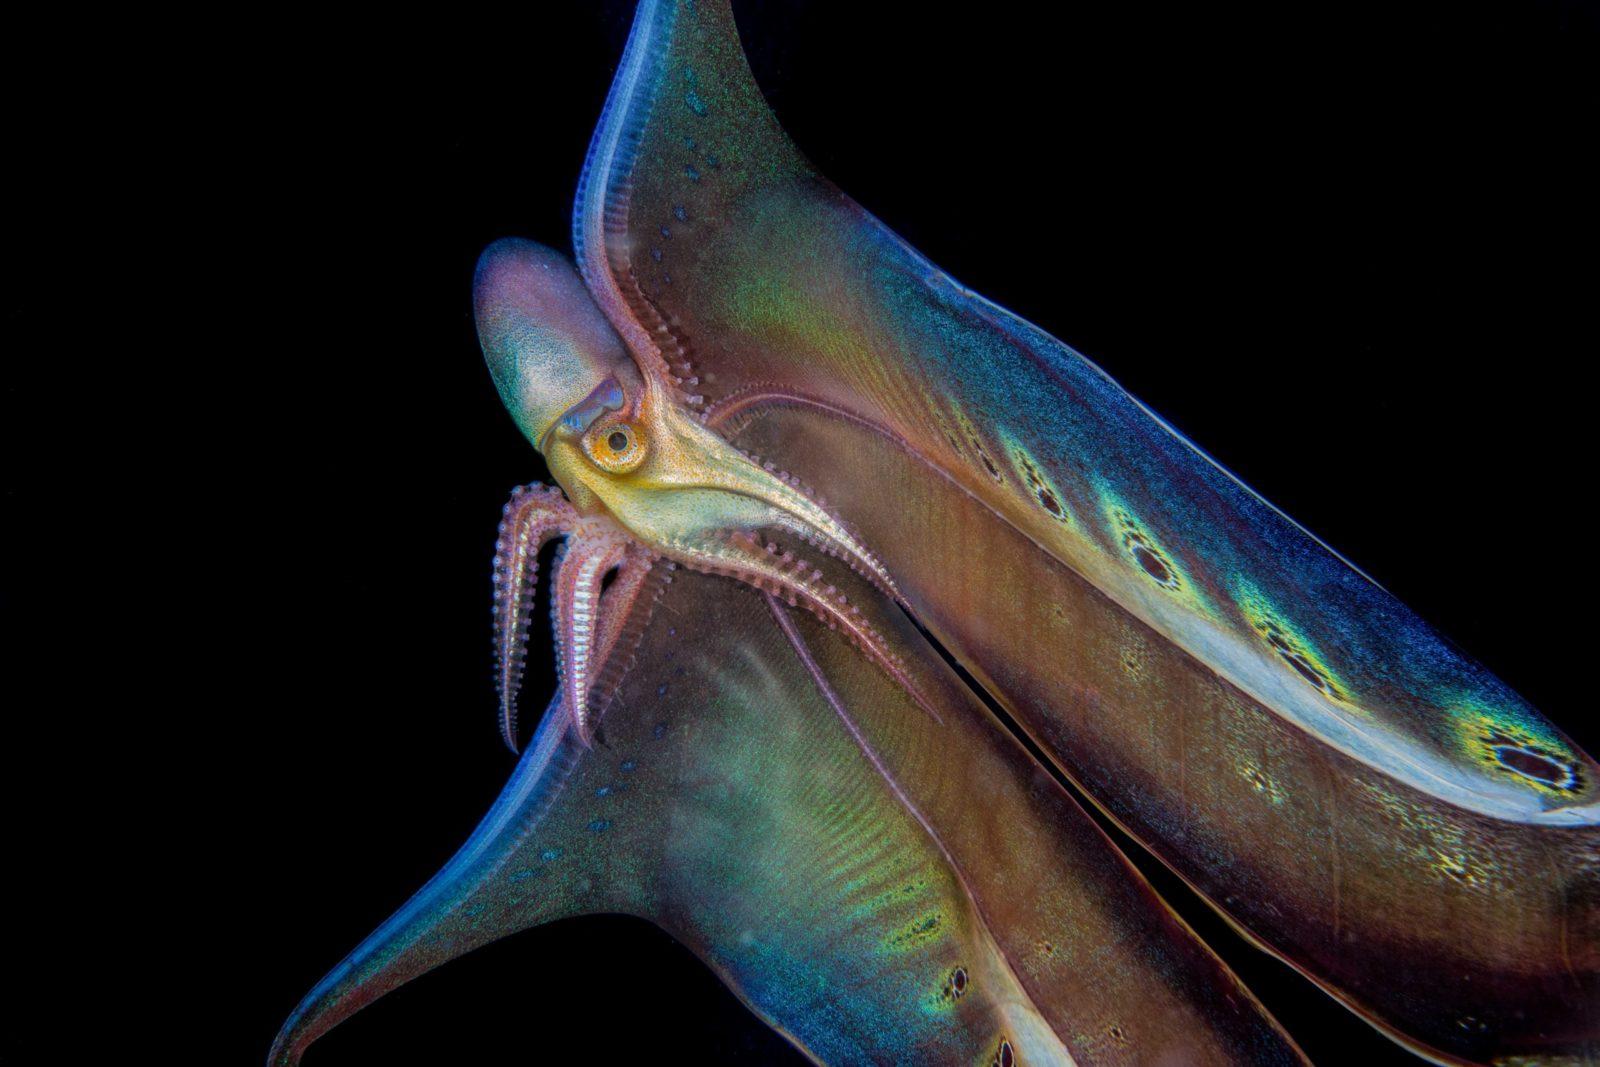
(618, 440)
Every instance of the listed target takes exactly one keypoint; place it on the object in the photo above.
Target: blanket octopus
(793, 460)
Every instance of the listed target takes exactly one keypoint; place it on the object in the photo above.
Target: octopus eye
(615, 447)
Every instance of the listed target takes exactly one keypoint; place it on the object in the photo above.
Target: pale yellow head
(618, 440)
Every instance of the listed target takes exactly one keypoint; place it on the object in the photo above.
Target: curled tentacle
(533, 515)
(589, 554)
(799, 583)
(626, 607)
(818, 528)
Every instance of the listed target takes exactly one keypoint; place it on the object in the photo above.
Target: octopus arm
(778, 803)
(1202, 665)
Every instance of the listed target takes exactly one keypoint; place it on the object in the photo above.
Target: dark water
(1344, 249)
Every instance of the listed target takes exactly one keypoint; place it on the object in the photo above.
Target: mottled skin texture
(1452, 927)
(1431, 854)
(854, 886)
(798, 805)
(770, 283)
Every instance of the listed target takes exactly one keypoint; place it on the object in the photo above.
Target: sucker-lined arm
(777, 570)
(532, 517)
(579, 575)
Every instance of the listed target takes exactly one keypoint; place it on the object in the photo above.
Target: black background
(1347, 249)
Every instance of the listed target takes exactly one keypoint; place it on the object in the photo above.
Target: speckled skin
(1334, 777)
(729, 255)
(1454, 929)
(1339, 779)
(808, 836)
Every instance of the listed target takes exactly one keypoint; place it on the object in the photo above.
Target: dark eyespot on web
(1117, 1033)
(1534, 762)
(1307, 671)
(1289, 650)
(1005, 1055)
(970, 432)
(1142, 547)
(956, 985)
(1152, 564)
(1041, 492)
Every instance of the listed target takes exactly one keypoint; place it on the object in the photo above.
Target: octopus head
(616, 435)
